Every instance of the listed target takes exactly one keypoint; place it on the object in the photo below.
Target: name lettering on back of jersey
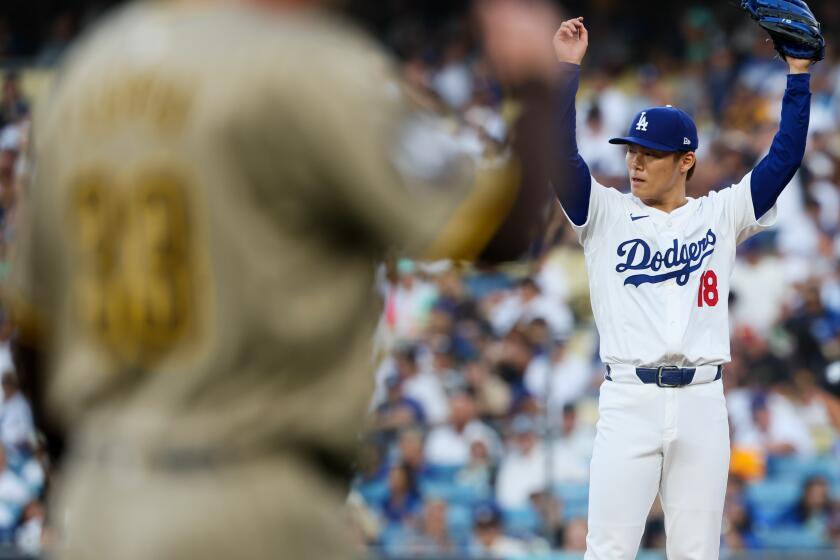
(145, 97)
(643, 122)
(679, 261)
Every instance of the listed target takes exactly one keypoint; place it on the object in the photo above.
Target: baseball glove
(792, 27)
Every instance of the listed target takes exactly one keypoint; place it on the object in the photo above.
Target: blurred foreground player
(214, 184)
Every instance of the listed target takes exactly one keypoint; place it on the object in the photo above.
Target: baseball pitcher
(659, 265)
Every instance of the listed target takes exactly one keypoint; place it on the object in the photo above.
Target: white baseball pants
(674, 441)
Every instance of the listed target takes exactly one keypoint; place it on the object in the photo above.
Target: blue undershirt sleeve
(570, 176)
(774, 172)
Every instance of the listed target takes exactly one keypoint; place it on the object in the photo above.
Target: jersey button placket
(672, 293)
(674, 333)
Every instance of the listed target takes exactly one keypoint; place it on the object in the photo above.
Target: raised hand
(571, 41)
(798, 65)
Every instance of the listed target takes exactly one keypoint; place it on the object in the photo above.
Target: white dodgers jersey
(659, 282)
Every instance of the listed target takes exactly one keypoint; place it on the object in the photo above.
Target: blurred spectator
(539, 335)
(443, 364)
(737, 533)
(527, 304)
(453, 82)
(16, 425)
(745, 463)
(606, 164)
(398, 411)
(371, 466)
(480, 472)
(422, 387)
(431, 538)
(492, 395)
(761, 291)
(450, 443)
(410, 452)
(814, 508)
(489, 537)
(30, 532)
(13, 106)
(33, 471)
(408, 301)
(14, 493)
(654, 535)
(403, 502)
(562, 272)
(613, 105)
(549, 508)
(10, 144)
(572, 450)
(575, 535)
(511, 356)
(813, 327)
(812, 408)
(559, 378)
(523, 470)
(776, 428)
(834, 529)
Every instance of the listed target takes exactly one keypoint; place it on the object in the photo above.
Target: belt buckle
(659, 376)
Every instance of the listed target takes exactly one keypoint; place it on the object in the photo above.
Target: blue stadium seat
(393, 538)
(452, 492)
(460, 519)
(572, 492)
(770, 499)
(442, 473)
(521, 521)
(575, 510)
(800, 468)
(575, 498)
(790, 538)
(643, 555)
(650, 555)
(562, 556)
(374, 492)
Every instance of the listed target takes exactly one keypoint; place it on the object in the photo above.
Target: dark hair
(801, 511)
(679, 156)
(412, 488)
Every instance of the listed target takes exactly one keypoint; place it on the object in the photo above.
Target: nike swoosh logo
(634, 218)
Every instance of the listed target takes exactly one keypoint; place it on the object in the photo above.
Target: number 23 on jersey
(134, 269)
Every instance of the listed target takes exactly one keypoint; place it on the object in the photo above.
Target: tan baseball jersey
(213, 188)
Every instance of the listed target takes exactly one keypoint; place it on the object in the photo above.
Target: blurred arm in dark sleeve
(514, 200)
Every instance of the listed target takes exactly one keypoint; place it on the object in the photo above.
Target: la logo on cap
(643, 122)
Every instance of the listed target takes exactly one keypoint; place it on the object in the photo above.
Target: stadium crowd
(23, 465)
(486, 394)
(483, 420)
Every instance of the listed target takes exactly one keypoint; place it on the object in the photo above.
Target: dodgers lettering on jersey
(680, 260)
(659, 282)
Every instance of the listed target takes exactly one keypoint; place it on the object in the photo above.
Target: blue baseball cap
(662, 128)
